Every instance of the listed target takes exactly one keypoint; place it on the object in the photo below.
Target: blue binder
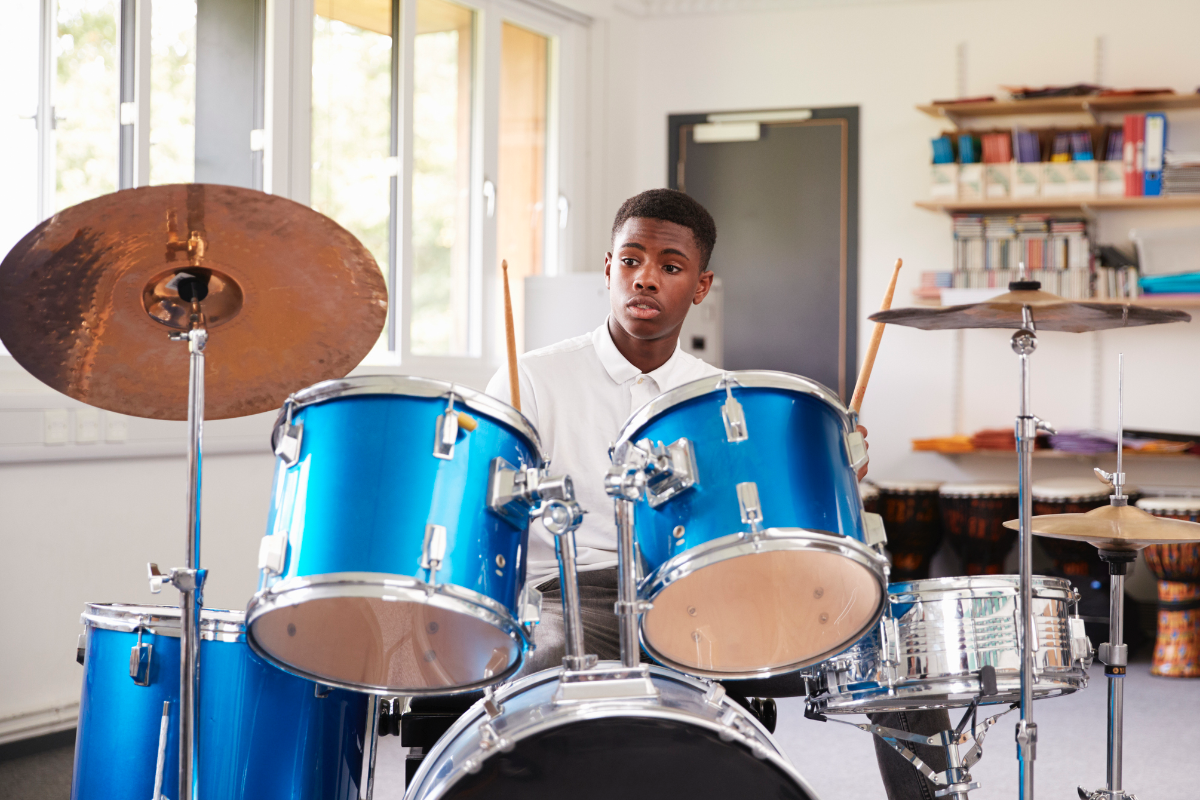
(1155, 150)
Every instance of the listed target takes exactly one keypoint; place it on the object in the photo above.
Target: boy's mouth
(643, 307)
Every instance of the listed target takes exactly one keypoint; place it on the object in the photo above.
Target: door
(783, 189)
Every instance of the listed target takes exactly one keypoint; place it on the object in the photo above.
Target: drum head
(763, 613)
(615, 757)
(392, 644)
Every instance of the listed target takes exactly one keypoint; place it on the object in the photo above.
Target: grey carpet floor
(1162, 753)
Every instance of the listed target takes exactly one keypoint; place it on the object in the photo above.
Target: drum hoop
(743, 379)
(556, 715)
(771, 540)
(450, 597)
(1176, 505)
(1044, 586)
(218, 625)
(878, 697)
(412, 386)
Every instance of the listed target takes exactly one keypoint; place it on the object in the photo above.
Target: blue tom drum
(264, 734)
(753, 545)
(394, 560)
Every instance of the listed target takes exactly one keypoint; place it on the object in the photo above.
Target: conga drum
(1076, 560)
(913, 523)
(870, 497)
(973, 516)
(1177, 567)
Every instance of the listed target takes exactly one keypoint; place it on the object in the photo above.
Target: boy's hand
(862, 473)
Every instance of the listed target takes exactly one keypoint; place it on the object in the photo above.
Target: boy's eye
(671, 268)
(629, 262)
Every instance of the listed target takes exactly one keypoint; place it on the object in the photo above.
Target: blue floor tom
(263, 734)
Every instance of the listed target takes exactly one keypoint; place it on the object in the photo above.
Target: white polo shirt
(578, 393)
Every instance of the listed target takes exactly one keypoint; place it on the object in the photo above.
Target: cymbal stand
(190, 580)
(1024, 342)
(1114, 654)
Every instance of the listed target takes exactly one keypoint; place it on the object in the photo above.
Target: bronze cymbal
(1114, 528)
(89, 297)
(1049, 312)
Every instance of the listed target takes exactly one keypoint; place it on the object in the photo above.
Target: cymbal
(1114, 528)
(1049, 312)
(89, 297)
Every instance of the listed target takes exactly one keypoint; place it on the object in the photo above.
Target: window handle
(564, 211)
(489, 194)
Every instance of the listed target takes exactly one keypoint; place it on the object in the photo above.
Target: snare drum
(263, 735)
(754, 554)
(388, 566)
(1177, 567)
(913, 521)
(939, 634)
(973, 515)
(682, 738)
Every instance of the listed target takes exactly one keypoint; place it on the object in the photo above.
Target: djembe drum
(870, 497)
(1177, 567)
(973, 516)
(913, 523)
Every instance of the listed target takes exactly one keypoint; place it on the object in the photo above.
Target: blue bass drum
(264, 734)
(754, 552)
(392, 563)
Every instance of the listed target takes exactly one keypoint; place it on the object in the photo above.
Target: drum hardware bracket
(607, 683)
(272, 553)
(670, 470)
(751, 508)
(491, 705)
(446, 432)
(514, 493)
(856, 450)
(635, 607)
(321, 690)
(734, 417)
(185, 580)
(139, 660)
(530, 604)
(287, 448)
(81, 648)
(715, 694)
(874, 532)
(433, 553)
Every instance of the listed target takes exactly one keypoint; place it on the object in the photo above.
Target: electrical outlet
(87, 425)
(55, 426)
(116, 429)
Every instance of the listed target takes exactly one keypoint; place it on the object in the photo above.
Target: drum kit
(393, 563)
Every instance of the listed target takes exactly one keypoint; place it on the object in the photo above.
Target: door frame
(678, 127)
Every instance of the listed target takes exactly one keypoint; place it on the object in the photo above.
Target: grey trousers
(598, 593)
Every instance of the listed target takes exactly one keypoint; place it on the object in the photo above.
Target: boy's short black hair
(672, 206)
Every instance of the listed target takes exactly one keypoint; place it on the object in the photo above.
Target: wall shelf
(1080, 204)
(955, 112)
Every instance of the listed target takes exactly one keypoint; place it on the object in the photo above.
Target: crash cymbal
(1114, 528)
(1049, 312)
(89, 297)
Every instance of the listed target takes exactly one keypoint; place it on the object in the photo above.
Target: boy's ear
(702, 288)
(607, 267)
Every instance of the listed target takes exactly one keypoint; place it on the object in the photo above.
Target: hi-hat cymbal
(1114, 528)
(1049, 312)
(89, 297)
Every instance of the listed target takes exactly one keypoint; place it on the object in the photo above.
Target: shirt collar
(619, 368)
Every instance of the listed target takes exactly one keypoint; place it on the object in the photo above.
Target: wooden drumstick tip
(467, 423)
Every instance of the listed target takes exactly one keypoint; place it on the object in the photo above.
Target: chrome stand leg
(1114, 654)
(627, 604)
(568, 580)
(1024, 342)
(366, 783)
(191, 581)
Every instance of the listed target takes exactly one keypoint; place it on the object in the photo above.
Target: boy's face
(653, 275)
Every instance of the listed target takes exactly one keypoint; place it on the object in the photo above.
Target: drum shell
(1071, 559)
(367, 483)
(529, 708)
(913, 520)
(928, 652)
(795, 454)
(974, 527)
(264, 734)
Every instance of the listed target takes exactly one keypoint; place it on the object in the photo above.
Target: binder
(1128, 151)
(1139, 154)
(1155, 147)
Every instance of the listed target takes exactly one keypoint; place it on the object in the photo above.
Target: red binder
(1139, 154)
(1129, 151)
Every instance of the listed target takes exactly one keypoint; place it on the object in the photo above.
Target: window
(439, 150)
(521, 223)
(173, 92)
(443, 60)
(19, 38)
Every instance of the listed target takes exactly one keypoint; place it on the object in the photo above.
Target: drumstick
(514, 385)
(864, 374)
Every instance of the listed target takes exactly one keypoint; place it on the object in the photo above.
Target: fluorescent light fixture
(790, 115)
(707, 132)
